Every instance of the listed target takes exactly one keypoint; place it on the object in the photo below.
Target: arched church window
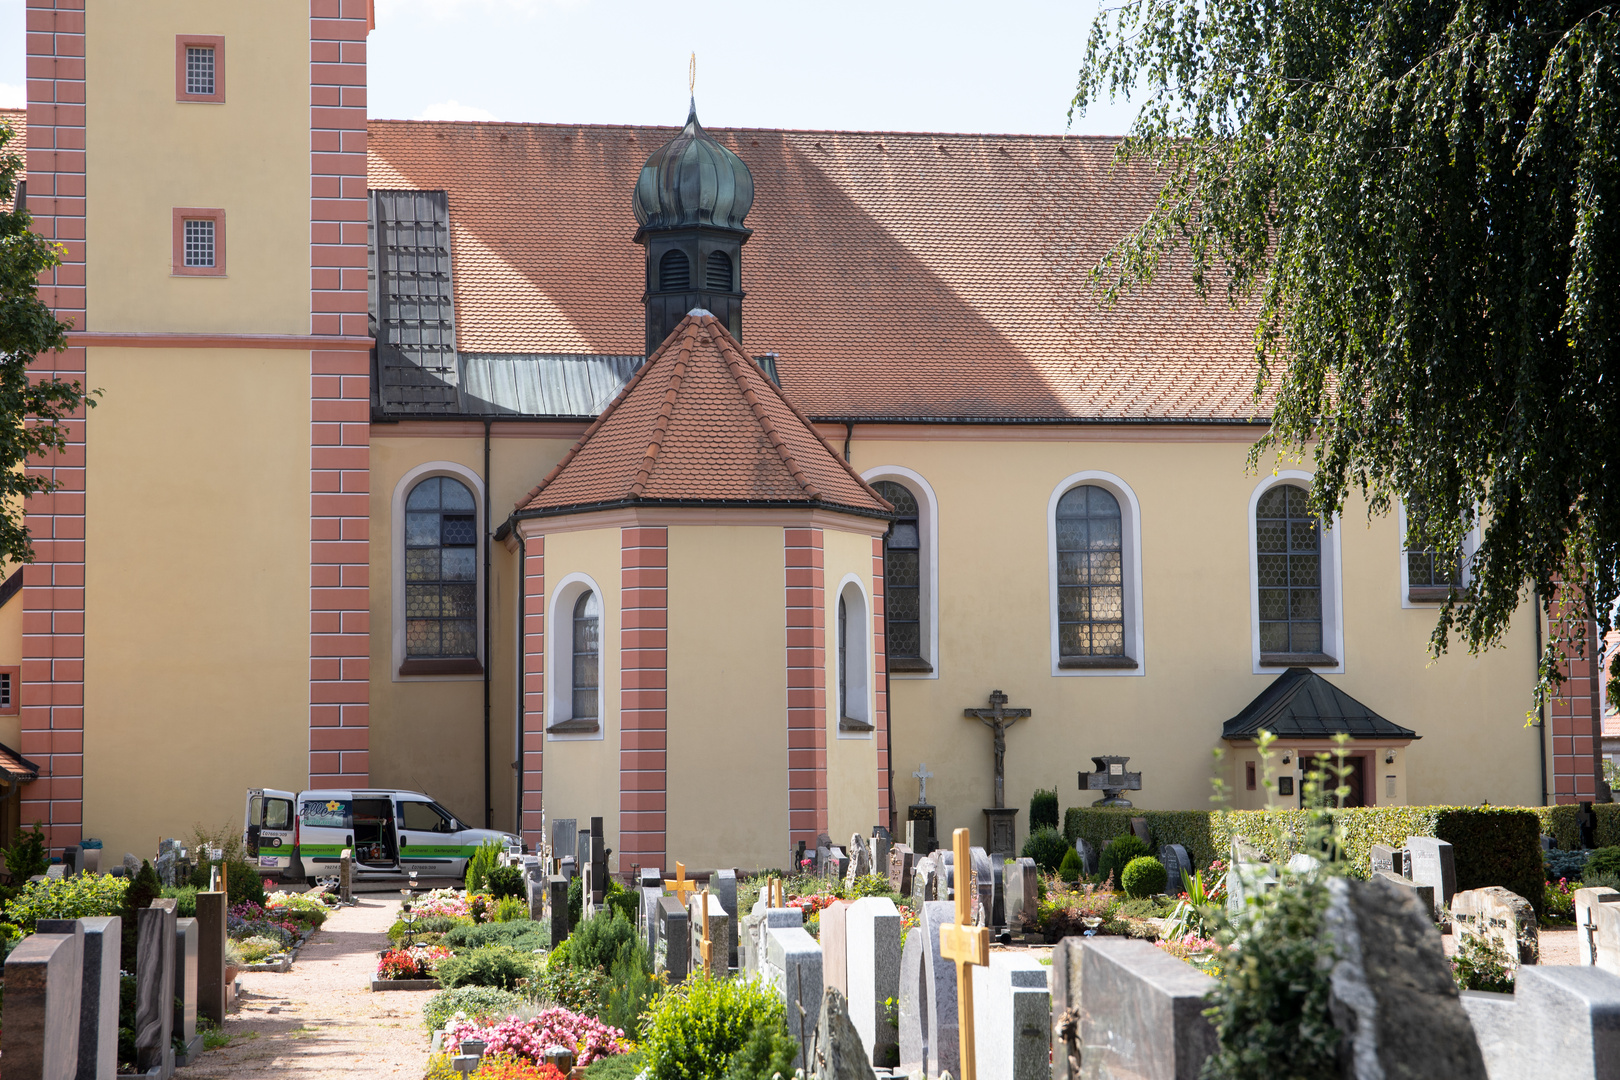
(843, 658)
(902, 573)
(719, 270)
(674, 271)
(1288, 548)
(1090, 573)
(587, 650)
(441, 570)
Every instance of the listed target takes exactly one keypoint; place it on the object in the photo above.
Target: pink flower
(590, 1040)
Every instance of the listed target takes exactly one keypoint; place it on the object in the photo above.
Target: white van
(302, 836)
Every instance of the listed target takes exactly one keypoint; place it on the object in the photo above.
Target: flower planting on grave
(416, 962)
(483, 1004)
(694, 1030)
(529, 1038)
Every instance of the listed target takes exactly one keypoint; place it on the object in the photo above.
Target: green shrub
(143, 888)
(525, 935)
(1604, 861)
(490, 965)
(1482, 964)
(620, 1067)
(1558, 822)
(433, 924)
(1043, 809)
(504, 881)
(620, 899)
(1141, 907)
(27, 855)
(1047, 847)
(511, 909)
(186, 908)
(1117, 855)
(1564, 864)
(579, 990)
(596, 942)
(1071, 867)
(576, 902)
(694, 1031)
(1602, 881)
(632, 987)
(81, 896)
(870, 885)
(482, 862)
(770, 1051)
(478, 1002)
(1144, 876)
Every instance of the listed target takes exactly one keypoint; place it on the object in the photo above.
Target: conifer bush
(1071, 866)
(694, 1031)
(1047, 847)
(1043, 809)
(1117, 855)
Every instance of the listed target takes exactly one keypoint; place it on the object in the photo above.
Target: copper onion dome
(692, 180)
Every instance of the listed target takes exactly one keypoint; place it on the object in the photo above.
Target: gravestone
(650, 886)
(872, 970)
(557, 904)
(168, 855)
(1088, 856)
(793, 967)
(44, 976)
(154, 986)
(1606, 937)
(1139, 829)
(836, 1051)
(860, 861)
(998, 905)
(837, 863)
(984, 904)
(882, 844)
(1023, 882)
(1012, 1010)
(1065, 988)
(920, 829)
(1141, 1012)
(345, 875)
(718, 963)
(185, 988)
(1431, 864)
(674, 937)
(98, 997)
(1499, 915)
(1383, 859)
(212, 908)
(1560, 1023)
(1177, 868)
(924, 882)
(1391, 989)
(599, 862)
(1586, 921)
(928, 1015)
(534, 892)
(725, 887)
(582, 849)
(755, 926)
(900, 864)
(834, 946)
(1425, 893)
(568, 867)
(1249, 874)
(563, 834)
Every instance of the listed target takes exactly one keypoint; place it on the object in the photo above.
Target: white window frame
(861, 692)
(1130, 546)
(928, 573)
(402, 490)
(1332, 580)
(1471, 544)
(559, 653)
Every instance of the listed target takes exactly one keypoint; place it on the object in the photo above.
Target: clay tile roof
(897, 275)
(16, 766)
(700, 423)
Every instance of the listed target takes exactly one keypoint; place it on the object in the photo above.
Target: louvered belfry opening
(674, 272)
(719, 271)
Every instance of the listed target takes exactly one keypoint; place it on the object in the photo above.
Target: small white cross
(923, 776)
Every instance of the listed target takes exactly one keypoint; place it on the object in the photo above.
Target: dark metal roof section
(15, 766)
(541, 384)
(412, 303)
(1300, 704)
(692, 180)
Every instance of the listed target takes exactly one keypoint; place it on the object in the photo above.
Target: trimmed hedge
(1558, 822)
(1492, 845)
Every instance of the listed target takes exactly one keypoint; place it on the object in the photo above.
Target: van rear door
(269, 834)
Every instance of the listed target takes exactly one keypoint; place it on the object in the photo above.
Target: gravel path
(320, 1020)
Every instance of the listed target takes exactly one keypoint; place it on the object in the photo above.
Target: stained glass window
(587, 648)
(441, 570)
(1091, 574)
(902, 573)
(1289, 548)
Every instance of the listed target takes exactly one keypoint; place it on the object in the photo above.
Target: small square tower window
(199, 242)
(200, 70)
(10, 690)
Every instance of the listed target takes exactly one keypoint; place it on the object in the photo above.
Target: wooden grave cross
(775, 894)
(967, 945)
(681, 887)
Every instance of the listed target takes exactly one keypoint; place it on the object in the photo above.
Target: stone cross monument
(920, 824)
(999, 819)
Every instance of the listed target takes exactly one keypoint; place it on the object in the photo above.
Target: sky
(1006, 68)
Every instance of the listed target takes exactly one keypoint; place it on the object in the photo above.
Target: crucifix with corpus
(965, 945)
(999, 819)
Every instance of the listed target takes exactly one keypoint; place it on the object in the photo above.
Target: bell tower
(690, 201)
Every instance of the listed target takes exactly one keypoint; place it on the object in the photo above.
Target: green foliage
(491, 965)
(596, 942)
(187, 897)
(31, 410)
(1071, 867)
(523, 935)
(1602, 881)
(1270, 1009)
(632, 987)
(620, 899)
(693, 1031)
(126, 1023)
(869, 885)
(581, 990)
(1043, 809)
(769, 1052)
(483, 860)
(616, 1067)
(576, 901)
(478, 1002)
(433, 924)
(504, 881)
(1143, 876)
(1482, 964)
(142, 889)
(81, 896)
(1564, 864)
(1047, 847)
(1112, 862)
(1605, 861)
(26, 856)
(1189, 828)
(1558, 822)
(511, 909)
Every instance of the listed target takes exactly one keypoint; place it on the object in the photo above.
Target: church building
(711, 482)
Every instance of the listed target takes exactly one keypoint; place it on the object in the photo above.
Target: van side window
(326, 814)
(277, 814)
(422, 817)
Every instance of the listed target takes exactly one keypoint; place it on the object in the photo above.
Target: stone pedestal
(211, 989)
(185, 987)
(154, 987)
(98, 997)
(921, 828)
(43, 980)
(1001, 833)
(725, 888)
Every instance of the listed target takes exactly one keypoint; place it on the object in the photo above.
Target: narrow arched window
(587, 651)
(1091, 575)
(719, 270)
(441, 570)
(674, 272)
(902, 574)
(1288, 547)
(843, 659)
